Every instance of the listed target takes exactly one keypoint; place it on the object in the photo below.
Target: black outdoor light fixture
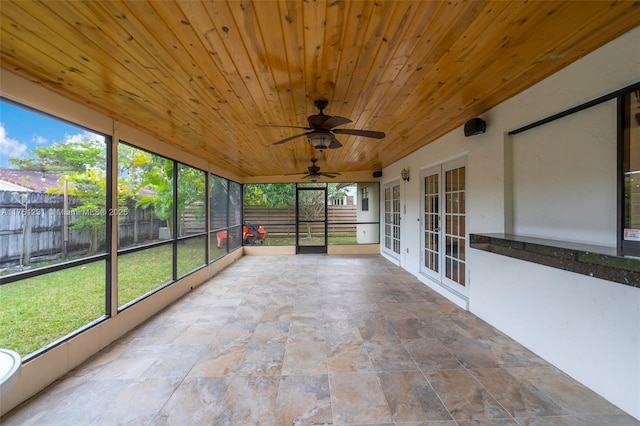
(405, 175)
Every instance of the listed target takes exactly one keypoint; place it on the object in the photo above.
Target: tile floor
(312, 340)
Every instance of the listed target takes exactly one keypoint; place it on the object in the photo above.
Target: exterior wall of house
(368, 233)
(588, 327)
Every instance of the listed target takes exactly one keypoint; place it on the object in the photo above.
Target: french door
(311, 223)
(392, 218)
(443, 223)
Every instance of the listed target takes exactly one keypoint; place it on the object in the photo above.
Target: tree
(270, 194)
(90, 188)
(82, 164)
(157, 178)
(311, 207)
(132, 164)
(191, 192)
(65, 157)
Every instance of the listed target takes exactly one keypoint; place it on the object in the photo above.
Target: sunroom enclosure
(587, 326)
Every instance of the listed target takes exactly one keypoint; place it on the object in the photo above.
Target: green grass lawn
(37, 311)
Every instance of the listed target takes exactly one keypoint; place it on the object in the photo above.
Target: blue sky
(22, 130)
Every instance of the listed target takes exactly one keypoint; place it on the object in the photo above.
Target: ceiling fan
(314, 172)
(322, 129)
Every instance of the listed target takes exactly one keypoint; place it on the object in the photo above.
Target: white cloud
(83, 136)
(40, 140)
(10, 147)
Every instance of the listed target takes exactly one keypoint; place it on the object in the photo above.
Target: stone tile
(176, 363)
(430, 354)
(303, 400)
(271, 332)
(410, 328)
(305, 329)
(464, 397)
(138, 403)
(198, 400)
(348, 357)
(614, 420)
(307, 357)
(357, 398)
(376, 328)
(126, 367)
(572, 396)
(341, 331)
(249, 400)
(66, 402)
(235, 331)
(411, 397)
(219, 361)
(519, 397)
(262, 359)
(390, 356)
(199, 333)
(277, 312)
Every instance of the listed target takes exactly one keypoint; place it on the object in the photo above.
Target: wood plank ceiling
(207, 76)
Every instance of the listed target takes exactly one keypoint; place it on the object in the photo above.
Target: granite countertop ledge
(608, 263)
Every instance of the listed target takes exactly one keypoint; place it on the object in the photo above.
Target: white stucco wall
(588, 327)
(564, 178)
(368, 233)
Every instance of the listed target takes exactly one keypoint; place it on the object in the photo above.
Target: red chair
(254, 234)
(222, 236)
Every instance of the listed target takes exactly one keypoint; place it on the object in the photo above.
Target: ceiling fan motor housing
(321, 104)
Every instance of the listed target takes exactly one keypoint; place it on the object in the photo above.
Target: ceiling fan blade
(335, 143)
(363, 133)
(335, 121)
(284, 125)
(290, 138)
(329, 174)
(293, 174)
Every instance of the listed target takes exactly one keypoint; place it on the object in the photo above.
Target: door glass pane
(395, 223)
(431, 222)
(455, 232)
(387, 218)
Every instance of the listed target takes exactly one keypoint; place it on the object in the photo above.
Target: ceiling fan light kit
(320, 141)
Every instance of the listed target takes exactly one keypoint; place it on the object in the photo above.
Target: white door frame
(443, 226)
(396, 227)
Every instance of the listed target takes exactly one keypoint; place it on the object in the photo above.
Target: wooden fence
(282, 220)
(33, 228)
